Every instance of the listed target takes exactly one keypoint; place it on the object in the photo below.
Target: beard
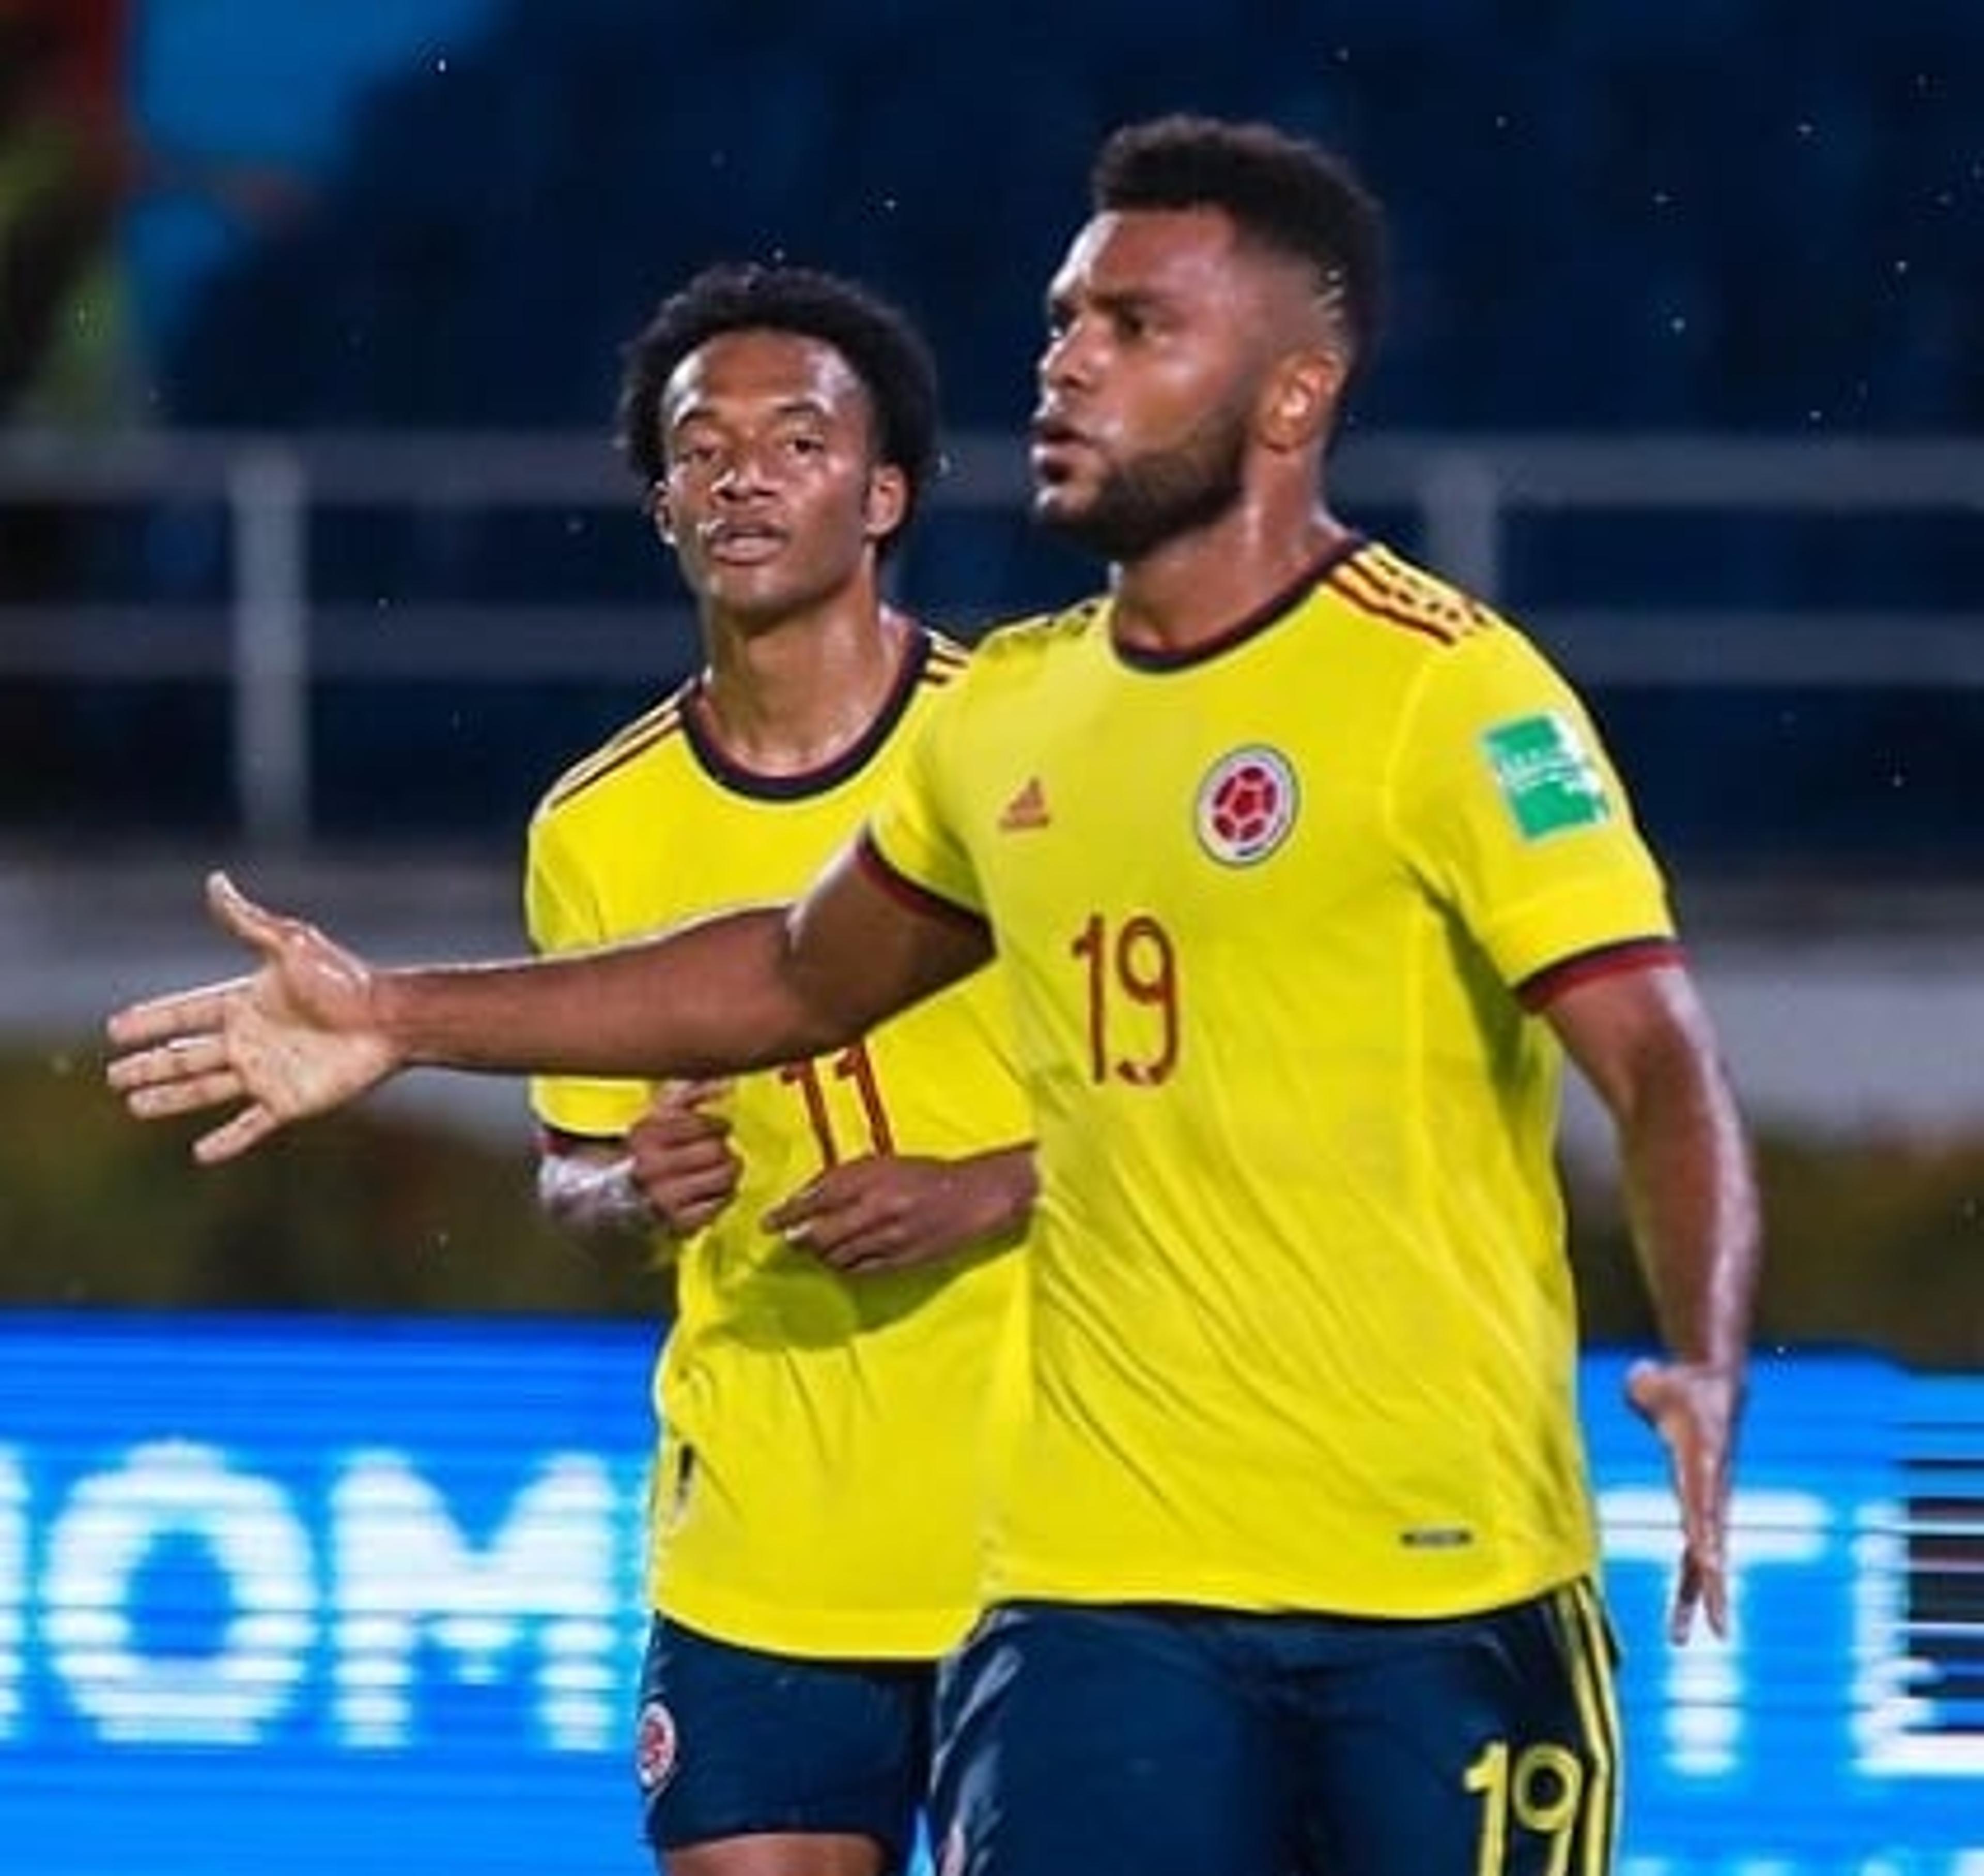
(1141, 502)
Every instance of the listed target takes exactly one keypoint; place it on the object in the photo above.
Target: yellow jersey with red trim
(1301, 1331)
(818, 1485)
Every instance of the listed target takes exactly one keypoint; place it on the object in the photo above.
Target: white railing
(273, 637)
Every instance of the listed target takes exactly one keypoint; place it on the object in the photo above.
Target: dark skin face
(1188, 387)
(1146, 385)
(774, 503)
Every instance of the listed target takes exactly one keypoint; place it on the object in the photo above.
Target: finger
(1701, 1483)
(665, 1167)
(1699, 1589)
(189, 1095)
(179, 1060)
(873, 1262)
(160, 1019)
(235, 912)
(836, 1253)
(683, 1127)
(810, 1227)
(670, 1196)
(792, 1217)
(829, 1235)
(249, 1128)
(677, 1173)
(1686, 1594)
(1701, 1530)
(838, 1189)
(144, 1066)
(1696, 1452)
(1714, 1602)
(1648, 1390)
(666, 1121)
(694, 1218)
(678, 1098)
(690, 1128)
(1709, 1577)
(850, 1242)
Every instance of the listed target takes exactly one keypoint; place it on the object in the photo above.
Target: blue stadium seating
(1661, 214)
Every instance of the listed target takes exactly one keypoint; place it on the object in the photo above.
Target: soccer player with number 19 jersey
(1295, 1127)
(1305, 870)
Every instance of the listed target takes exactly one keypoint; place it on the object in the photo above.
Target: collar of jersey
(1141, 658)
(725, 770)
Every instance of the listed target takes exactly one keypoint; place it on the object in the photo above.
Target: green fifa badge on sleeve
(1547, 774)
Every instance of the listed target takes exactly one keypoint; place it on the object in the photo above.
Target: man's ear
(1299, 403)
(888, 501)
(659, 513)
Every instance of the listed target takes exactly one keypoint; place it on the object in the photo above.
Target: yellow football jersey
(819, 1489)
(1302, 1327)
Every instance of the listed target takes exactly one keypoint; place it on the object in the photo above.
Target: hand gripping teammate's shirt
(1301, 1323)
(818, 1490)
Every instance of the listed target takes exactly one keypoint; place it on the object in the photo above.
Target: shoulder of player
(654, 729)
(1375, 584)
(1009, 643)
(943, 660)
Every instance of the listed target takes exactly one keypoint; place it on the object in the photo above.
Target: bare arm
(315, 1025)
(1644, 1042)
(743, 989)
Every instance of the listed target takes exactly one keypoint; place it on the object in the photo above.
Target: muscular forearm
(1693, 1201)
(315, 1025)
(1644, 1042)
(707, 1000)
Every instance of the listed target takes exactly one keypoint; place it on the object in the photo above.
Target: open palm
(297, 1037)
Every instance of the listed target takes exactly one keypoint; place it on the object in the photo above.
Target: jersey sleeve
(915, 833)
(562, 914)
(1512, 813)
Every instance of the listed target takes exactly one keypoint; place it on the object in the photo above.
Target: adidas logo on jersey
(1026, 810)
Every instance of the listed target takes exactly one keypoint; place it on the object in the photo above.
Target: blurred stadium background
(315, 560)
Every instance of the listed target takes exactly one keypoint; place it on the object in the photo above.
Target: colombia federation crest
(1246, 805)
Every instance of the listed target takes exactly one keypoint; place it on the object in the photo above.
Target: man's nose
(1068, 358)
(745, 472)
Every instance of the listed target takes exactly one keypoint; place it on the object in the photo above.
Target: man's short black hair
(881, 346)
(1289, 195)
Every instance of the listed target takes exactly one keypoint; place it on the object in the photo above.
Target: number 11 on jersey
(852, 1064)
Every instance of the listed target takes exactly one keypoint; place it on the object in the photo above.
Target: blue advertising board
(308, 1594)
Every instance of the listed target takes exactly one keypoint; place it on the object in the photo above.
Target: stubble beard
(1141, 504)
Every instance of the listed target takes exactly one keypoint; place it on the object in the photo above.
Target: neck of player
(1196, 586)
(788, 696)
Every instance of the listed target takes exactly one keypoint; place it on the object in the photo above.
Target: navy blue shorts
(1162, 1741)
(730, 1742)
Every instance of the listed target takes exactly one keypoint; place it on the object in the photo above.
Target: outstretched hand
(297, 1037)
(1694, 1409)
